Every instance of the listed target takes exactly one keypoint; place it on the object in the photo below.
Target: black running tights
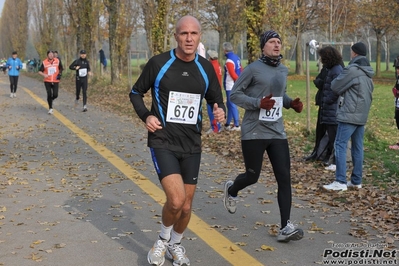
(279, 156)
(13, 83)
(81, 84)
(52, 92)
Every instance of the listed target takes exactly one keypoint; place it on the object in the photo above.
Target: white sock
(165, 232)
(175, 238)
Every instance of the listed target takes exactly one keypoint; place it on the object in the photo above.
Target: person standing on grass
(232, 69)
(215, 125)
(82, 67)
(201, 50)
(395, 91)
(331, 59)
(51, 69)
(396, 66)
(179, 80)
(103, 60)
(355, 89)
(320, 128)
(261, 91)
(14, 65)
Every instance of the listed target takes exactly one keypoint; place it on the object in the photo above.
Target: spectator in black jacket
(103, 59)
(396, 66)
(395, 91)
(320, 128)
(332, 60)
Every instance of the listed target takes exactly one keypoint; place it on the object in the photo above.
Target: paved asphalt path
(79, 189)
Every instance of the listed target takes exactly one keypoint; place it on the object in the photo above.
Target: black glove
(59, 76)
(267, 103)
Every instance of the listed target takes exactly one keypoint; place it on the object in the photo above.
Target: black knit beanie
(267, 35)
(359, 48)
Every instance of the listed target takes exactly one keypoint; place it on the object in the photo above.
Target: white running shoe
(290, 232)
(229, 201)
(50, 112)
(85, 108)
(156, 255)
(235, 128)
(336, 186)
(350, 185)
(209, 131)
(15, 95)
(331, 167)
(177, 253)
(11, 95)
(227, 128)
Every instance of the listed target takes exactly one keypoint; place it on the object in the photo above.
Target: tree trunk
(298, 56)
(84, 26)
(112, 7)
(148, 7)
(378, 56)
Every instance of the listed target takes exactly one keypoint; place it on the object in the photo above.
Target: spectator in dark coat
(320, 128)
(395, 91)
(332, 60)
(396, 66)
(103, 59)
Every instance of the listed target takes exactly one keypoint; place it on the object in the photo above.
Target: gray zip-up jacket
(255, 82)
(355, 87)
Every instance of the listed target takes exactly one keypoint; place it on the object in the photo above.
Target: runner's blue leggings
(232, 111)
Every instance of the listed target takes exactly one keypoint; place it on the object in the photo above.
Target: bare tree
(48, 25)
(14, 27)
(82, 19)
(228, 19)
(381, 15)
(122, 16)
(303, 11)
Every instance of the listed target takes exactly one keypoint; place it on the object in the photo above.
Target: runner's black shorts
(167, 162)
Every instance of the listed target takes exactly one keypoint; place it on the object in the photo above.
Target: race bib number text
(51, 70)
(82, 72)
(183, 107)
(273, 114)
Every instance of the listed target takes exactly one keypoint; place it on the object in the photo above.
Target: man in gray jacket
(261, 90)
(354, 87)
